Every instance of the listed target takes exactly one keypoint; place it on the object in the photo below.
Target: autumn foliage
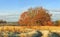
(35, 16)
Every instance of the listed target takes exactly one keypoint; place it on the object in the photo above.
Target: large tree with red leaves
(35, 16)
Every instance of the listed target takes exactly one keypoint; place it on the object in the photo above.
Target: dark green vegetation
(38, 34)
(53, 34)
(9, 34)
(5, 23)
(17, 34)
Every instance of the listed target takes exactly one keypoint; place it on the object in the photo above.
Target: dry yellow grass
(44, 29)
(21, 28)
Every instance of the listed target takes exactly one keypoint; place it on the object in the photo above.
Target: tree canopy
(35, 16)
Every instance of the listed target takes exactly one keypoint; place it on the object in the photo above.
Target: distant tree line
(2, 21)
(57, 23)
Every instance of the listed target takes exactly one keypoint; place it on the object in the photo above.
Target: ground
(44, 29)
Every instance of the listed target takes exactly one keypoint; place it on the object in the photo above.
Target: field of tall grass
(23, 28)
(19, 31)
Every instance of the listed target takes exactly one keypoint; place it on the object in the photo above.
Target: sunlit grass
(23, 28)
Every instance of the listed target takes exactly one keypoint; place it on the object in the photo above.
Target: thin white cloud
(15, 15)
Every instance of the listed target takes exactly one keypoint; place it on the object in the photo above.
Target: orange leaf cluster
(36, 16)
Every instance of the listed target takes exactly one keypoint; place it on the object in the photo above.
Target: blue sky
(16, 7)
